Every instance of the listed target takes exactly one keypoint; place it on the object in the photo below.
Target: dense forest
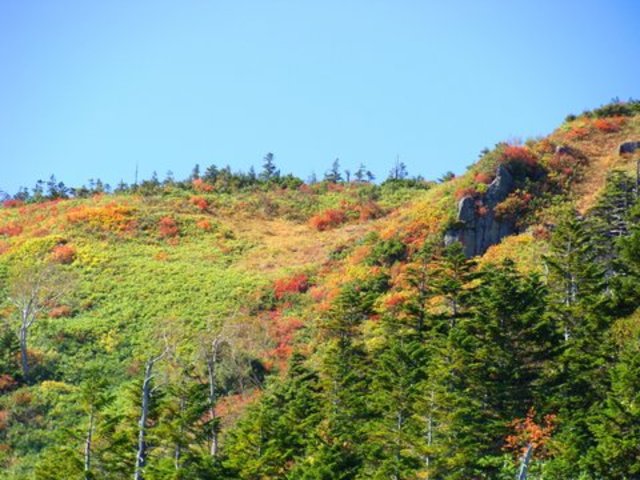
(257, 326)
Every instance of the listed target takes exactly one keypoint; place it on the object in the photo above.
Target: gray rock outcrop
(628, 147)
(478, 231)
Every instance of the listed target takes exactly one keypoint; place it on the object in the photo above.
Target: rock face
(629, 147)
(478, 232)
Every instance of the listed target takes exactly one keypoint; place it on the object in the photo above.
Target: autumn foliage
(291, 285)
(199, 202)
(328, 219)
(519, 154)
(529, 433)
(167, 227)
(11, 230)
(63, 254)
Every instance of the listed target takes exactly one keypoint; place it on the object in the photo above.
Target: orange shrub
(292, 285)
(609, 125)
(111, 217)
(64, 254)
(519, 154)
(61, 311)
(577, 133)
(204, 224)
(199, 202)
(200, 185)
(483, 177)
(12, 203)
(167, 227)
(328, 219)
(11, 230)
(466, 192)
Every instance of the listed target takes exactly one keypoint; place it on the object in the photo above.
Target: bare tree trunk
(524, 466)
(141, 454)
(212, 364)
(24, 360)
(87, 446)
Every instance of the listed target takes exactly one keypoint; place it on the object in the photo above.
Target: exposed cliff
(478, 229)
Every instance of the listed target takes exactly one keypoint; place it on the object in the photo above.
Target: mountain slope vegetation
(245, 326)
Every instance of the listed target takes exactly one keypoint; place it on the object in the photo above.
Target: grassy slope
(225, 257)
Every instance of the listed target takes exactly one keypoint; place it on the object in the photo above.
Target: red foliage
(292, 285)
(529, 433)
(167, 227)
(64, 254)
(283, 330)
(7, 382)
(540, 232)
(466, 192)
(200, 202)
(483, 177)
(514, 206)
(577, 133)
(12, 203)
(328, 219)
(200, 185)
(609, 125)
(204, 224)
(519, 154)
(11, 230)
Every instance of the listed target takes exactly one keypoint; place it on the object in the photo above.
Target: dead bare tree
(147, 393)
(34, 289)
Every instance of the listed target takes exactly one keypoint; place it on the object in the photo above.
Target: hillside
(277, 329)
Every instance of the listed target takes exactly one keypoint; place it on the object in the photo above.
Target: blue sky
(89, 89)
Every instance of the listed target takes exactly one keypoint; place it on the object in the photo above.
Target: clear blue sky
(89, 88)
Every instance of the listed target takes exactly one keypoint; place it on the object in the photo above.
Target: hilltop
(340, 329)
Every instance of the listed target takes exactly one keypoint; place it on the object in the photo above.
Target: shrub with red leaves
(12, 203)
(609, 125)
(64, 254)
(11, 230)
(519, 154)
(483, 177)
(284, 287)
(167, 227)
(199, 202)
(200, 185)
(330, 218)
(466, 192)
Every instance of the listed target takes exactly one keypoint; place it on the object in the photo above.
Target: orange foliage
(292, 285)
(60, 311)
(483, 177)
(328, 219)
(199, 202)
(466, 192)
(200, 185)
(64, 254)
(529, 433)
(577, 133)
(609, 125)
(11, 230)
(12, 203)
(519, 154)
(167, 227)
(111, 217)
(204, 224)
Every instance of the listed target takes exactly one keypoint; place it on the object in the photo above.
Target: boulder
(475, 231)
(628, 147)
